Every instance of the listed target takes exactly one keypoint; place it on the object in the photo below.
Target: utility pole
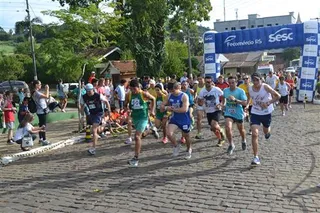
(189, 54)
(224, 10)
(32, 43)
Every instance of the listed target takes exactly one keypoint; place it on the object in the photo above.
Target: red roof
(125, 66)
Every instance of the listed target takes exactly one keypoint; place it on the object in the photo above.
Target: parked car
(265, 69)
(290, 69)
(14, 85)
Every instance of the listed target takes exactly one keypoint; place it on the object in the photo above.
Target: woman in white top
(26, 128)
(284, 90)
(42, 108)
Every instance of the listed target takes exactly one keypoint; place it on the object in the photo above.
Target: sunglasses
(255, 79)
(208, 82)
(246, 78)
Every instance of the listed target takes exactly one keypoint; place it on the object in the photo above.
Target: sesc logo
(210, 59)
(209, 38)
(281, 35)
(309, 62)
(307, 85)
(311, 40)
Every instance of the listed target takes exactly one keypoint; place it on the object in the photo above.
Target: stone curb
(5, 160)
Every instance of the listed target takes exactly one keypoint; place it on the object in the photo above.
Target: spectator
(120, 93)
(108, 90)
(95, 84)
(42, 108)
(184, 77)
(25, 128)
(62, 96)
(100, 88)
(23, 109)
(52, 104)
(9, 111)
(21, 95)
(92, 76)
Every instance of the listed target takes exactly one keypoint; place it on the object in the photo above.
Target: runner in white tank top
(284, 90)
(263, 97)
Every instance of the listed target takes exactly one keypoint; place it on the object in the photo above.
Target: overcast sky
(12, 11)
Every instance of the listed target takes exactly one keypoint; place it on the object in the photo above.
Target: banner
(305, 35)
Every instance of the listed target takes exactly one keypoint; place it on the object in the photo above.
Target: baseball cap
(196, 82)
(89, 87)
(152, 82)
(256, 75)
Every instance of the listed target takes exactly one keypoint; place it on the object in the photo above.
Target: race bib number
(92, 106)
(231, 111)
(210, 104)
(159, 104)
(136, 104)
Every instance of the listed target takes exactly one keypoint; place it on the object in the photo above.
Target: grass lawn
(6, 47)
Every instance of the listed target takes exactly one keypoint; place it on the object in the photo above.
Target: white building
(255, 21)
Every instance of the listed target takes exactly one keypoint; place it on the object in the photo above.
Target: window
(260, 25)
(277, 24)
(269, 25)
(243, 27)
(226, 28)
(252, 26)
(233, 28)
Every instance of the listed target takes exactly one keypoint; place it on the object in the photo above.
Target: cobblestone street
(68, 180)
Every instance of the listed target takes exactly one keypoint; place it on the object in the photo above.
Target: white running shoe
(128, 141)
(176, 150)
(188, 154)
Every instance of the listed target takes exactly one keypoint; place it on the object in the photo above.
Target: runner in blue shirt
(234, 99)
(178, 104)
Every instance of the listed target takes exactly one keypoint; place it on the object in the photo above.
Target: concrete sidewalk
(56, 131)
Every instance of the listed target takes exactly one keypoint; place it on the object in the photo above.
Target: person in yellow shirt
(245, 86)
(152, 88)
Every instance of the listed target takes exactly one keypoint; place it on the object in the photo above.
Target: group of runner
(150, 106)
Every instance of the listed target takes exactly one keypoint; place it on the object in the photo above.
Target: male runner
(209, 96)
(137, 101)
(94, 103)
(263, 97)
(178, 103)
(235, 99)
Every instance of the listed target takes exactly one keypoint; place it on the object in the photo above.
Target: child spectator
(23, 109)
(25, 128)
(9, 111)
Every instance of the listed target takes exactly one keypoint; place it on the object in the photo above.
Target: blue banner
(261, 39)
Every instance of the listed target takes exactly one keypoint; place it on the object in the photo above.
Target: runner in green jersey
(161, 117)
(137, 101)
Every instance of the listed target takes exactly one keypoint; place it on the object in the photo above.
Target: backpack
(32, 106)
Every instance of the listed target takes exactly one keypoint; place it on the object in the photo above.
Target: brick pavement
(67, 180)
(56, 131)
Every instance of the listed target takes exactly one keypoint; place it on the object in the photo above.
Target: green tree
(87, 27)
(290, 54)
(10, 68)
(176, 52)
(59, 61)
(186, 13)
(78, 3)
(145, 34)
(4, 36)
